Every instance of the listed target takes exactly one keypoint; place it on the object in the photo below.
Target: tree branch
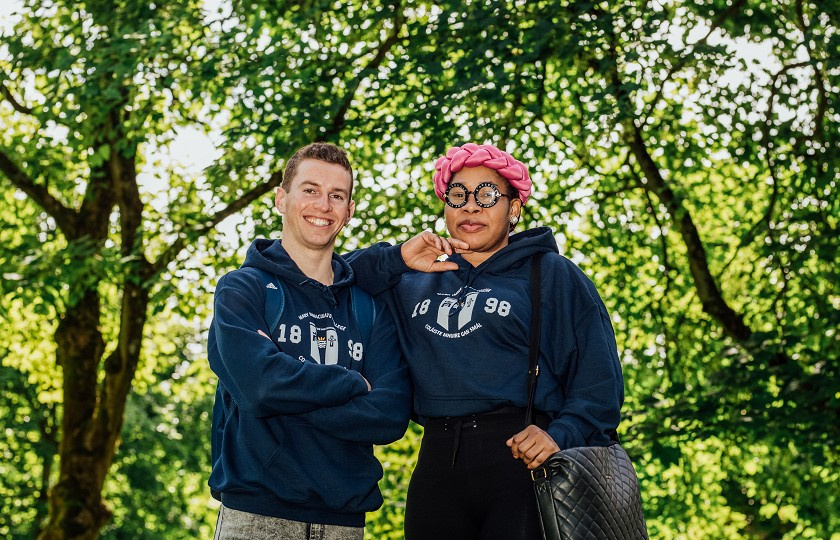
(64, 217)
(341, 114)
(681, 63)
(710, 295)
(771, 166)
(749, 236)
(23, 109)
(185, 235)
(663, 235)
(819, 78)
(704, 282)
(16, 105)
(768, 144)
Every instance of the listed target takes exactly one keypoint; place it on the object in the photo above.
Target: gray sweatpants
(235, 525)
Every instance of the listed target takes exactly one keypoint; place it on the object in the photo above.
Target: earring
(514, 220)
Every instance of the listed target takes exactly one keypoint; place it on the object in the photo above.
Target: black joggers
(468, 486)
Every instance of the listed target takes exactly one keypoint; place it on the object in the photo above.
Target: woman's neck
(477, 257)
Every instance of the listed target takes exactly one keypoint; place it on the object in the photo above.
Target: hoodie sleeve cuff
(392, 260)
(565, 435)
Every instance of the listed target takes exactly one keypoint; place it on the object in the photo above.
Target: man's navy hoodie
(293, 422)
(465, 336)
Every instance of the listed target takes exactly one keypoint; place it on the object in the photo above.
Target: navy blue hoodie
(293, 422)
(465, 336)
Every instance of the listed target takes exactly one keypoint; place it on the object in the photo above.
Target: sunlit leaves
(736, 104)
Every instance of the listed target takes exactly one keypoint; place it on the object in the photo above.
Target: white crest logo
(327, 341)
(450, 305)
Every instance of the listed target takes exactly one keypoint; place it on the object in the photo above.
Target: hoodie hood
(521, 247)
(271, 256)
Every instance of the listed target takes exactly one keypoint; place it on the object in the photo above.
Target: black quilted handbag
(589, 493)
(586, 493)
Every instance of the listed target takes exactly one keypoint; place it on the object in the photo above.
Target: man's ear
(280, 200)
(351, 208)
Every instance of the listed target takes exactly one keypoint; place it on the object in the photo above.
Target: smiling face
(484, 229)
(316, 207)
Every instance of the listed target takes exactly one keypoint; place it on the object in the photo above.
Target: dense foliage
(687, 154)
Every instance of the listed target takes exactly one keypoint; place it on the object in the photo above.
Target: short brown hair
(321, 151)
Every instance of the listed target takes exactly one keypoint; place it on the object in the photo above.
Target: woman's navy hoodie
(293, 422)
(464, 334)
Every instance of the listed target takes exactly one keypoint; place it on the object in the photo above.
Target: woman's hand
(421, 252)
(533, 446)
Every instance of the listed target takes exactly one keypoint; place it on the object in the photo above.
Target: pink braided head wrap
(487, 155)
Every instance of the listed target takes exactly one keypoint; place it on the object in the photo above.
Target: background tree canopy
(686, 153)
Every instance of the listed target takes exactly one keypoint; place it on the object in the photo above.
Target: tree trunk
(76, 508)
(93, 409)
(93, 419)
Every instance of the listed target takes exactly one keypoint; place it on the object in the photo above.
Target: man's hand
(533, 446)
(421, 252)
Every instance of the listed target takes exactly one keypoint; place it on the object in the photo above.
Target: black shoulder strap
(275, 298)
(534, 343)
(364, 309)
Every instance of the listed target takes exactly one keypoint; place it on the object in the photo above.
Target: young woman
(465, 336)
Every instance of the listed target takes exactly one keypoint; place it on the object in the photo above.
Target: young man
(300, 402)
